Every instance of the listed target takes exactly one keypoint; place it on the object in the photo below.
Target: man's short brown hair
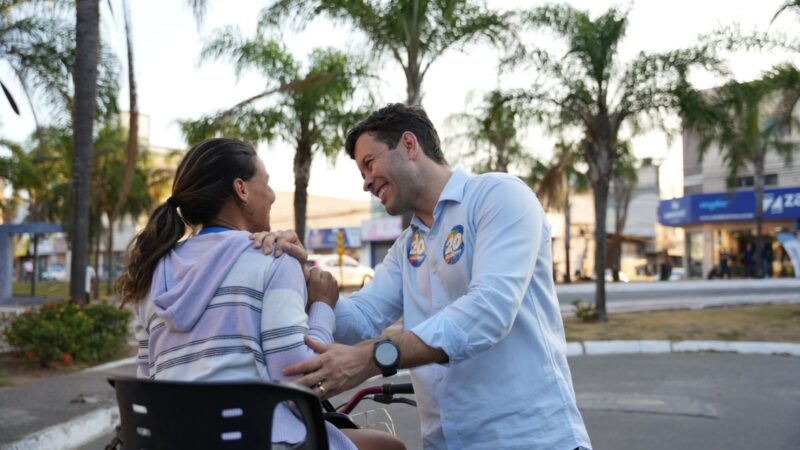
(389, 123)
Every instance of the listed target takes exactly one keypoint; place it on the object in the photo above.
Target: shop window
(770, 179)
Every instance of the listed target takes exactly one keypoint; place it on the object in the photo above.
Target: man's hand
(336, 369)
(284, 241)
(322, 287)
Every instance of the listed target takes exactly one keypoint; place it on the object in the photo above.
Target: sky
(173, 84)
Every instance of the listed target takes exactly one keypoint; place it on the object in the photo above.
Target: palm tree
(558, 180)
(309, 109)
(414, 32)
(747, 121)
(110, 162)
(132, 148)
(788, 5)
(623, 183)
(34, 41)
(87, 47)
(589, 89)
(492, 132)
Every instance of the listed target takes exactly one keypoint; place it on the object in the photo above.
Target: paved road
(693, 294)
(667, 402)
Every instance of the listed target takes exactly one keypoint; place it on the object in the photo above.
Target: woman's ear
(240, 190)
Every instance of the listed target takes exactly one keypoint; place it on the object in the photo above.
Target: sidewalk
(59, 412)
(69, 411)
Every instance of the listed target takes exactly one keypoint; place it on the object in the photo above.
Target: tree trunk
(413, 84)
(758, 182)
(109, 255)
(87, 47)
(413, 97)
(132, 151)
(616, 241)
(601, 244)
(35, 276)
(567, 236)
(94, 292)
(302, 174)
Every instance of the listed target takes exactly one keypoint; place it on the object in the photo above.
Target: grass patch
(767, 323)
(48, 289)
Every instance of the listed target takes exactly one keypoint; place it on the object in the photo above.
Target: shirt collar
(453, 191)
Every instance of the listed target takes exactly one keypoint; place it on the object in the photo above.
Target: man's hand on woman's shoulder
(280, 242)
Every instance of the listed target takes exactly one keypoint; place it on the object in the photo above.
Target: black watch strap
(386, 356)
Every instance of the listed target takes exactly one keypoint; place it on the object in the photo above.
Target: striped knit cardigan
(248, 330)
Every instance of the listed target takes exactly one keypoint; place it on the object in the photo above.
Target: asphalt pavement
(657, 402)
(686, 294)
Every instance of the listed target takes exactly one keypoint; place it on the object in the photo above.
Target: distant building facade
(718, 218)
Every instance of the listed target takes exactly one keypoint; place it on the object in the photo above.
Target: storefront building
(722, 226)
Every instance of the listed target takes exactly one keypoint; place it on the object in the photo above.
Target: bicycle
(343, 417)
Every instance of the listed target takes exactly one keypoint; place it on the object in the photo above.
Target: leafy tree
(587, 87)
(746, 121)
(414, 32)
(492, 132)
(309, 108)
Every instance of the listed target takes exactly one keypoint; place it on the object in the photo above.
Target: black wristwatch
(386, 356)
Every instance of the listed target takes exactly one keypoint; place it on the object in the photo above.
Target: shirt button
(438, 306)
(439, 377)
(435, 269)
(446, 416)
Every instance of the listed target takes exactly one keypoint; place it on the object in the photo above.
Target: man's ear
(410, 145)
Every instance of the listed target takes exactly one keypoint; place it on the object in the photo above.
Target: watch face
(386, 354)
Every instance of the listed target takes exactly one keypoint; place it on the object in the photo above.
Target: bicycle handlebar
(386, 392)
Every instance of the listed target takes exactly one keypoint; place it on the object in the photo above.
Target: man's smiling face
(386, 173)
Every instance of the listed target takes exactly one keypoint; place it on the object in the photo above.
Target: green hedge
(67, 331)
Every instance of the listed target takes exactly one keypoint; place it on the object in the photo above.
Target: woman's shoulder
(253, 266)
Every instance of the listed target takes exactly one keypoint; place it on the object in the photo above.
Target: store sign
(326, 238)
(791, 244)
(729, 207)
(384, 229)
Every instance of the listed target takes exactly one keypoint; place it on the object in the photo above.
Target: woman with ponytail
(209, 307)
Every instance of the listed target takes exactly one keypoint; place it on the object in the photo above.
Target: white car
(351, 273)
(54, 273)
(623, 277)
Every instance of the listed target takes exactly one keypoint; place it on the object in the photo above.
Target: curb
(71, 434)
(590, 348)
(111, 365)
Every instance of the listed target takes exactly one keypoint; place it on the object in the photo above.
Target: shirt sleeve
(509, 227)
(284, 322)
(143, 339)
(366, 313)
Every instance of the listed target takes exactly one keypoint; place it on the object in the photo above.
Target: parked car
(351, 274)
(623, 277)
(676, 274)
(54, 273)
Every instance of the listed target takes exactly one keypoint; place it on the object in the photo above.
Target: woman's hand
(283, 241)
(322, 287)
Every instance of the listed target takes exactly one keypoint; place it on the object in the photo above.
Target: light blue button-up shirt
(479, 285)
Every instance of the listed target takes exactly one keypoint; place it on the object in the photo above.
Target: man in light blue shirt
(472, 279)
